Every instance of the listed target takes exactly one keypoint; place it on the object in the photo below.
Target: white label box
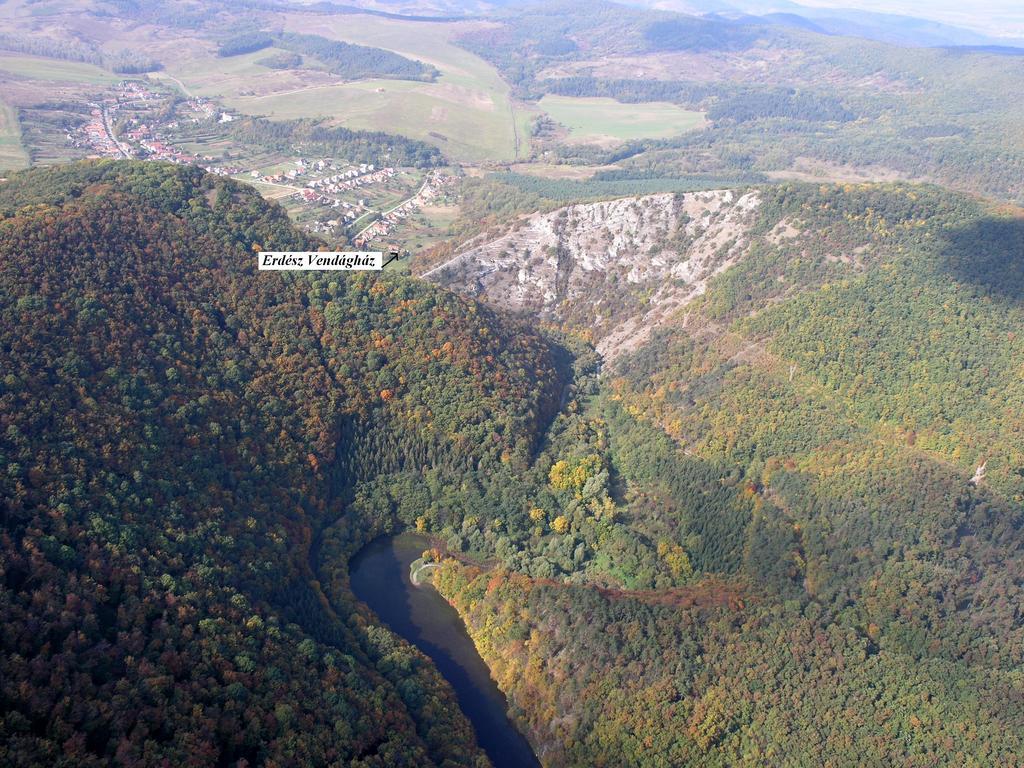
(345, 261)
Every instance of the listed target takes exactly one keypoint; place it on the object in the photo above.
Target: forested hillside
(816, 487)
(356, 61)
(178, 430)
(313, 136)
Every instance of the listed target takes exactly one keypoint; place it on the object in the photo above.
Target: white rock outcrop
(621, 266)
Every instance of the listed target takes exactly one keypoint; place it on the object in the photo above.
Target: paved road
(110, 133)
(392, 208)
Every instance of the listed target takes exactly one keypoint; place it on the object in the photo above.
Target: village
(331, 185)
(431, 189)
(134, 121)
(326, 183)
(361, 201)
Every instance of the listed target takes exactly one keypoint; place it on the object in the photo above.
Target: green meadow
(52, 70)
(12, 153)
(467, 112)
(605, 120)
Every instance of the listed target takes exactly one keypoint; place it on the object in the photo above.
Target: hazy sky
(996, 17)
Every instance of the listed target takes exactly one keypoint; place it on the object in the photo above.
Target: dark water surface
(380, 578)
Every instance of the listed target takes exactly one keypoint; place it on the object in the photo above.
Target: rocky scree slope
(617, 268)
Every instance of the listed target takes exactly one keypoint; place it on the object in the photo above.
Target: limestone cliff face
(619, 268)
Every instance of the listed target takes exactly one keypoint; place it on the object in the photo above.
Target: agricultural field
(12, 153)
(559, 172)
(235, 77)
(52, 70)
(269, 190)
(40, 101)
(428, 227)
(444, 115)
(468, 112)
(470, 103)
(606, 121)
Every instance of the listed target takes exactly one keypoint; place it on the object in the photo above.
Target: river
(380, 578)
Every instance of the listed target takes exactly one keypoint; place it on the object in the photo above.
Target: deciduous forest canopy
(165, 476)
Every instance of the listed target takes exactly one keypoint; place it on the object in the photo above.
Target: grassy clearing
(605, 120)
(36, 68)
(467, 112)
(212, 75)
(443, 115)
(570, 172)
(470, 103)
(428, 42)
(240, 77)
(427, 227)
(12, 153)
(268, 191)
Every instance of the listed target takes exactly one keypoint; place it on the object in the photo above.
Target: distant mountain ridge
(896, 28)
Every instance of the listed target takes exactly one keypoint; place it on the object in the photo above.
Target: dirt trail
(180, 84)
